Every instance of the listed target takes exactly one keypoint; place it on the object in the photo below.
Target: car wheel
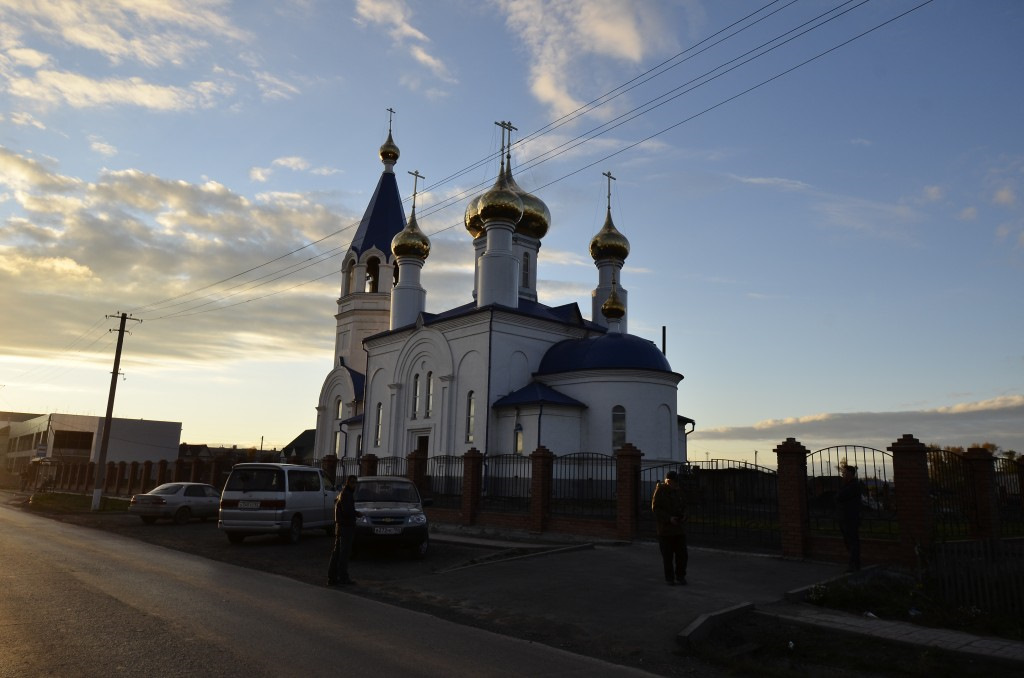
(149, 520)
(235, 537)
(182, 515)
(294, 533)
(420, 550)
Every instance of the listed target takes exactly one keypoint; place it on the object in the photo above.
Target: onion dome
(612, 308)
(474, 224)
(536, 216)
(389, 151)
(411, 241)
(500, 202)
(608, 352)
(609, 243)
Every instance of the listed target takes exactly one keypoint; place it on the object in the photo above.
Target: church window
(378, 427)
(526, 270)
(470, 416)
(359, 445)
(517, 442)
(415, 395)
(350, 277)
(338, 452)
(618, 427)
(372, 274)
(430, 394)
(340, 409)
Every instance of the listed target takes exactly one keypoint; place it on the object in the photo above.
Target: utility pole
(101, 462)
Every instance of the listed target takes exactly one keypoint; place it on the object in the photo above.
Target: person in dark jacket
(669, 507)
(848, 507)
(345, 515)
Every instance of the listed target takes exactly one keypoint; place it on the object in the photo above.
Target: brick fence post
(913, 505)
(196, 472)
(472, 484)
(217, 472)
(416, 469)
(179, 470)
(147, 476)
(542, 463)
(161, 472)
(627, 491)
(133, 478)
(794, 524)
(368, 465)
(984, 514)
(122, 471)
(329, 464)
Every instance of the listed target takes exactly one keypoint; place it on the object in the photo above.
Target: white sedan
(178, 501)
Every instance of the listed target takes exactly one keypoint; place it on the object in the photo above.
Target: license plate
(387, 530)
(248, 504)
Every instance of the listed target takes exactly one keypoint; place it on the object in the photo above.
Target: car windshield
(387, 490)
(166, 489)
(256, 480)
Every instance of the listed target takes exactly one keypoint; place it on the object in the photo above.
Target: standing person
(345, 515)
(848, 505)
(669, 507)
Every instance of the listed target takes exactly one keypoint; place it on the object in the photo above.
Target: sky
(824, 200)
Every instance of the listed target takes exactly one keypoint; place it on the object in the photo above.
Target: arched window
(430, 394)
(359, 445)
(372, 274)
(618, 427)
(415, 395)
(470, 416)
(340, 409)
(526, 270)
(378, 427)
(350, 277)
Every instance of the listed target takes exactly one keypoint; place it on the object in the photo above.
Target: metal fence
(979, 576)
(506, 483)
(392, 466)
(728, 503)
(444, 481)
(952, 494)
(875, 472)
(584, 484)
(1009, 498)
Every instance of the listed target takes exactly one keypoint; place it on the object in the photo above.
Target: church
(502, 373)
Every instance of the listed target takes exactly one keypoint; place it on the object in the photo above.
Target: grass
(894, 594)
(61, 502)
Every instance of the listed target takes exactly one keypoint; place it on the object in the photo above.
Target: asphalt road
(90, 603)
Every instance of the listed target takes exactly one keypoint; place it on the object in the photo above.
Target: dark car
(391, 514)
(178, 501)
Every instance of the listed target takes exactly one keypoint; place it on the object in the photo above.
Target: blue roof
(536, 393)
(607, 352)
(384, 217)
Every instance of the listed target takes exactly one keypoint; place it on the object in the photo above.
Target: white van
(279, 499)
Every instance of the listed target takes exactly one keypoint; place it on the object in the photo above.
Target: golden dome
(536, 216)
(389, 151)
(474, 224)
(612, 308)
(411, 241)
(609, 243)
(500, 202)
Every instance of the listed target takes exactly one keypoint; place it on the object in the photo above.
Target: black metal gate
(730, 504)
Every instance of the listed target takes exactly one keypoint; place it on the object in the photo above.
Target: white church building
(502, 373)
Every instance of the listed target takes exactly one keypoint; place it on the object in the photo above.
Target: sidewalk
(616, 592)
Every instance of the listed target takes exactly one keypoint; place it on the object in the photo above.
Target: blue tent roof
(384, 217)
(536, 393)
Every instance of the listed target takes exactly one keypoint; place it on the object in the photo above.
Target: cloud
(396, 16)
(292, 162)
(999, 420)
(260, 174)
(774, 182)
(558, 36)
(148, 32)
(103, 148)
(274, 88)
(1005, 197)
(932, 193)
(22, 118)
(20, 172)
(79, 91)
(968, 214)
